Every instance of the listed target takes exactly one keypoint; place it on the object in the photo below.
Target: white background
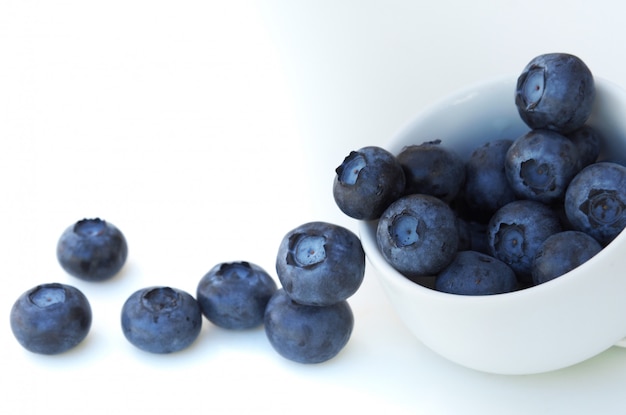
(205, 131)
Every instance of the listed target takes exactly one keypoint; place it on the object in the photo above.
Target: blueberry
(305, 333)
(555, 91)
(233, 295)
(475, 273)
(418, 235)
(433, 169)
(367, 182)
(589, 144)
(486, 186)
(92, 250)
(161, 319)
(540, 164)
(516, 231)
(320, 263)
(595, 201)
(51, 318)
(561, 253)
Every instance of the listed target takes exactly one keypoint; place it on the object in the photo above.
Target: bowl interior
(534, 330)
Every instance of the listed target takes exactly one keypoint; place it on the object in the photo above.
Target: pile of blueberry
(517, 213)
(308, 320)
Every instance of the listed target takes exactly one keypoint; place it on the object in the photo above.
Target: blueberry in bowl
(476, 273)
(561, 253)
(517, 230)
(367, 181)
(529, 330)
(433, 169)
(555, 91)
(595, 201)
(418, 235)
(540, 164)
(486, 188)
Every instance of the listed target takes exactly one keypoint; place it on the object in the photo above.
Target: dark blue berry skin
(433, 169)
(561, 253)
(589, 144)
(161, 319)
(367, 181)
(595, 201)
(555, 91)
(472, 236)
(233, 295)
(51, 318)
(516, 231)
(475, 273)
(418, 235)
(304, 333)
(486, 186)
(92, 250)
(540, 164)
(320, 263)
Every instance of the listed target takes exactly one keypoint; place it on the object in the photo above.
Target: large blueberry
(432, 168)
(475, 273)
(161, 319)
(561, 253)
(367, 182)
(486, 186)
(320, 263)
(51, 318)
(304, 333)
(516, 231)
(418, 235)
(595, 201)
(540, 164)
(92, 250)
(555, 91)
(233, 295)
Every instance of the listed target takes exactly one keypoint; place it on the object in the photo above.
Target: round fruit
(319, 263)
(161, 319)
(92, 250)
(305, 333)
(51, 318)
(555, 91)
(233, 295)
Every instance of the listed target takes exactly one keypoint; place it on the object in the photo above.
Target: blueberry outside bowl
(539, 329)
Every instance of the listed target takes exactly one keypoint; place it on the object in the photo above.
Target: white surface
(530, 331)
(206, 130)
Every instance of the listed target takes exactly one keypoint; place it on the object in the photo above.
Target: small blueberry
(161, 319)
(92, 250)
(233, 295)
(51, 318)
(306, 333)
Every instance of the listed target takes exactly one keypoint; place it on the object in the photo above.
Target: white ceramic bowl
(539, 329)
